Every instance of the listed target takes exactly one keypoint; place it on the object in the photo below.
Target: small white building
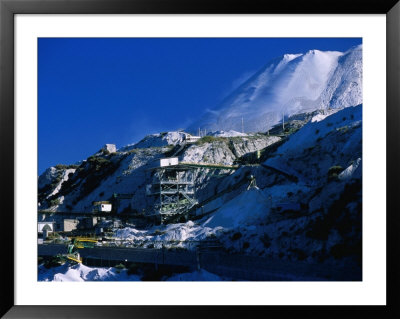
(169, 161)
(102, 207)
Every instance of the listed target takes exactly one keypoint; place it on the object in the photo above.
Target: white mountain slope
(345, 85)
(292, 84)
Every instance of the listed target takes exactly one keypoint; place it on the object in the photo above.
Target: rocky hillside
(307, 205)
(297, 195)
(126, 171)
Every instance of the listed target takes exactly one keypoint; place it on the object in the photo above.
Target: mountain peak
(291, 84)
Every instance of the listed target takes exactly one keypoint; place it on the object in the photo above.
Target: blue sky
(117, 90)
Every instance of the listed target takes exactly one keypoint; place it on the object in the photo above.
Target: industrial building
(102, 206)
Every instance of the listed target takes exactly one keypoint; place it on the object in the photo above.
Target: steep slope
(128, 171)
(316, 218)
(345, 85)
(292, 84)
(319, 145)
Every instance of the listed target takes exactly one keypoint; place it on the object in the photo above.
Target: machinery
(78, 243)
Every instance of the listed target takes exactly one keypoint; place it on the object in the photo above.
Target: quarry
(286, 203)
(267, 186)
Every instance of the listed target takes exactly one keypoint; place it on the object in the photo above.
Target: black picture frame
(8, 8)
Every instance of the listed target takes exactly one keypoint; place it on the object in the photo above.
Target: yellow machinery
(79, 243)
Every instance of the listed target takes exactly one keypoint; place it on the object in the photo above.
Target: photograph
(199, 159)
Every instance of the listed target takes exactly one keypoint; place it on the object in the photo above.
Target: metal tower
(173, 188)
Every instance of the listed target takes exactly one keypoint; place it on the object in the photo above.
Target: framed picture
(271, 187)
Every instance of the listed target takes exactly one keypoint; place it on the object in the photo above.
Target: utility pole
(242, 125)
